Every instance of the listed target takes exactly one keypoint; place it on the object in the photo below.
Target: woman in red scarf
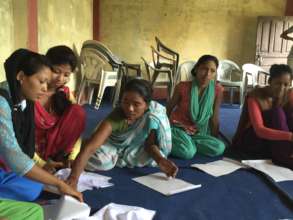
(59, 123)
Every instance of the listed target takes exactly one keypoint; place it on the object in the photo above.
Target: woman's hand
(52, 166)
(191, 130)
(68, 163)
(68, 190)
(168, 167)
(72, 181)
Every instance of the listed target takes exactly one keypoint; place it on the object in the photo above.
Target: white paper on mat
(87, 180)
(159, 182)
(65, 208)
(277, 173)
(219, 167)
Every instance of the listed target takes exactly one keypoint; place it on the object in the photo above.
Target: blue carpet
(224, 198)
(229, 117)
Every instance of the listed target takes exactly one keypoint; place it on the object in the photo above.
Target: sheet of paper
(159, 182)
(65, 208)
(219, 167)
(277, 173)
(87, 180)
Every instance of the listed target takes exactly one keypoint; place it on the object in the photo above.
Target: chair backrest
(162, 61)
(113, 60)
(147, 67)
(132, 70)
(253, 74)
(151, 69)
(229, 71)
(92, 63)
(163, 48)
(184, 71)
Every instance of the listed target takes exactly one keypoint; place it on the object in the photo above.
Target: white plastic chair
(253, 72)
(114, 61)
(184, 71)
(230, 75)
(93, 65)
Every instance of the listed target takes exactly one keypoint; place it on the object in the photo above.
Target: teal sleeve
(10, 150)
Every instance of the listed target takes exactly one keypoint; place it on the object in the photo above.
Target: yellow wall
(6, 33)
(225, 28)
(66, 22)
(19, 8)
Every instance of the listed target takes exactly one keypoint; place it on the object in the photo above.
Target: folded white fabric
(87, 180)
(114, 211)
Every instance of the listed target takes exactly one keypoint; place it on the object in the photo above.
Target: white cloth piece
(219, 167)
(167, 186)
(65, 208)
(87, 180)
(277, 173)
(115, 211)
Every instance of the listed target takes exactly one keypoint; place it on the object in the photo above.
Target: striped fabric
(127, 148)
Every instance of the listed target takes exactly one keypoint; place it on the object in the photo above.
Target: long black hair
(26, 61)
(29, 63)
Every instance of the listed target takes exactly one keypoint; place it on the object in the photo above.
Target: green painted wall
(225, 28)
(66, 22)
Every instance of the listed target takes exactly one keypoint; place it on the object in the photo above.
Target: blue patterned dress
(12, 185)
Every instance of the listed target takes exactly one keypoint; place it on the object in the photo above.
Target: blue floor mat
(240, 195)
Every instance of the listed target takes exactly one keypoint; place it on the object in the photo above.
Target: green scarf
(201, 109)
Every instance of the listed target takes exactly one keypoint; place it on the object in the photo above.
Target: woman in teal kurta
(194, 121)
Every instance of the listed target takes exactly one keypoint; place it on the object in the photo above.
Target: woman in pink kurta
(265, 126)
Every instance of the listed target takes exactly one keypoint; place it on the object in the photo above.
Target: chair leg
(231, 95)
(171, 84)
(81, 91)
(117, 91)
(154, 77)
(100, 96)
(241, 96)
(91, 93)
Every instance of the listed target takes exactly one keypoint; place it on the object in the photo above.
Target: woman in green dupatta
(194, 121)
(135, 134)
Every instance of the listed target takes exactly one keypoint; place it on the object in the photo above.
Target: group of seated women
(139, 132)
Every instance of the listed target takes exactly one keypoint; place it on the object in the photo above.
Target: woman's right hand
(168, 167)
(72, 181)
(52, 166)
(68, 190)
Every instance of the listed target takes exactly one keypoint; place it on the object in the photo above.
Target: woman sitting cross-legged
(195, 120)
(266, 123)
(135, 134)
(59, 122)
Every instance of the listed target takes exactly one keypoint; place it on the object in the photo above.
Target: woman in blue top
(27, 76)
